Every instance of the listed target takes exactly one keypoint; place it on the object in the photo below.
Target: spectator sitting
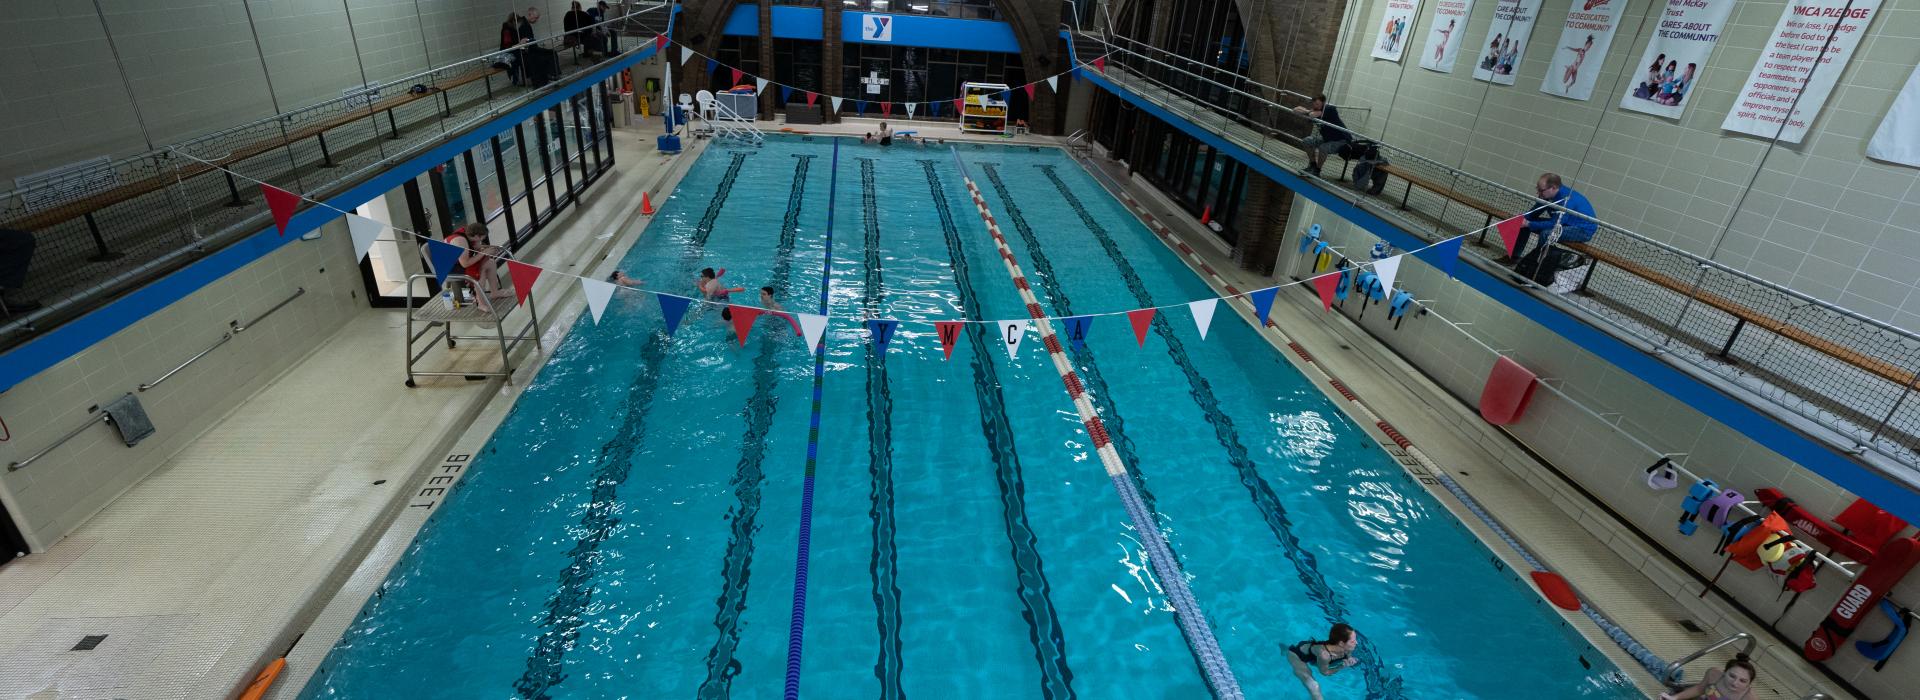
(1573, 229)
(16, 252)
(509, 38)
(1332, 134)
(573, 22)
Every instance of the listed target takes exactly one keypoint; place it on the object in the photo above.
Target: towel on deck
(1509, 387)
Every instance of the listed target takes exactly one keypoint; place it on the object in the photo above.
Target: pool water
(632, 528)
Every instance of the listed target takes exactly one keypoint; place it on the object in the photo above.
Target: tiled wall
(195, 66)
(1821, 218)
(54, 494)
(1591, 451)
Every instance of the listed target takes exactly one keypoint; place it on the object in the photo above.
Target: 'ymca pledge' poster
(1582, 51)
(1898, 138)
(1785, 72)
(1506, 40)
(1444, 37)
(1395, 29)
(1663, 79)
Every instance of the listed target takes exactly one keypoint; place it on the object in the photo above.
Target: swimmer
(712, 288)
(773, 306)
(621, 278)
(886, 134)
(1329, 656)
(1731, 682)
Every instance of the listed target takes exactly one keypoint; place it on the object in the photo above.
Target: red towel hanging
(1508, 389)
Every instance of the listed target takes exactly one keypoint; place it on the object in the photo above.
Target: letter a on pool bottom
(1013, 332)
(949, 334)
(882, 330)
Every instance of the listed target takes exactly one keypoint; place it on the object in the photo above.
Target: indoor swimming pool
(632, 528)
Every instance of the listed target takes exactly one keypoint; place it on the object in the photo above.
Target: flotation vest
(1890, 565)
(1826, 533)
(1754, 545)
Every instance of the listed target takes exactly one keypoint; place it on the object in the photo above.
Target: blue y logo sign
(879, 28)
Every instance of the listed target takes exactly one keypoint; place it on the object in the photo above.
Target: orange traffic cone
(1206, 215)
(646, 203)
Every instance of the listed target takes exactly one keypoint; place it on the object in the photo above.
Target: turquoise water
(631, 530)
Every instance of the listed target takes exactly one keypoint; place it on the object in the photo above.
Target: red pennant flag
(282, 203)
(1100, 63)
(1029, 91)
(959, 105)
(1509, 233)
(736, 76)
(523, 276)
(886, 109)
(949, 334)
(743, 317)
(1142, 319)
(811, 96)
(659, 42)
(1326, 285)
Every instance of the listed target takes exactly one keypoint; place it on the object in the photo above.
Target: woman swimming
(1731, 682)
(1329, 656)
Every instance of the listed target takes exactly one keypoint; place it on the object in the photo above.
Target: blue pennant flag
(1077, 330)
(712, 65)
(860, 106)
(785, 93)
(673, 308)
(1263, 301)
(1006, 95)
(444, 256)
(933, 109)
(882, 330)
(1444, 255)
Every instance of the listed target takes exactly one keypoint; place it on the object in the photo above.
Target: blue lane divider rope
(796, 628)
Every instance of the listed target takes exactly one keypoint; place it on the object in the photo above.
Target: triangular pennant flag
(282, 203)
(1013, 332)
(673, 308)
(1053, 83)
(1443, 255)
(959, 105)
(933, 109)
(598, 293)
(523, 276)
(685, 53)
(1142, 319)
(1077, 330)
(364, 231)
(736, 76)
(444, 257)
(659, 42)
(1005, 95)
(886, 109)
(1327, 285)
(835, 101)
(743, 317)
(910, 106)
(1029, 87)
(1509, 233)
(785, 94)
(1385, 270)
(1203, 314)
(860, 106)
(759, 85)
(1263, 301)
(1100, 63)
(712, 65)
(882, 330)
(812, 326)
(949, 332)
(811, 96)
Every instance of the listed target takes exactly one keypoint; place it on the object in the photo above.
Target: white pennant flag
(598, 293)
(1386, 269)
(759, 85)
(1203, 314)
(1014, 332)
(685, 53)
(1053, 83)
(836, 104)
(910, 106)
(812, 326)
(364, 231)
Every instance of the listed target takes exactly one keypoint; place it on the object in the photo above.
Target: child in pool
(1731, 682)
(1329, 656)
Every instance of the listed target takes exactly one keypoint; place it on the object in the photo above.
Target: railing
(170, 208)
(1746, 642)
(1845, 372)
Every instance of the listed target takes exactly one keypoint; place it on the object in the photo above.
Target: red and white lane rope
(1193, 623)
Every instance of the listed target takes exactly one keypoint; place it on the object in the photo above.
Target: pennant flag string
(687, 52)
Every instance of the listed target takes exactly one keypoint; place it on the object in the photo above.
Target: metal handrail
(100, 417)
(224, 337)
(239, 327)
(1747, 642)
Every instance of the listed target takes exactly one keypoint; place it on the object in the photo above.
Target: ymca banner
(1663, 79)
(1585, 36)
(1396, 29)
(1444, 37)
(1785, 71)
(1507, 34)
(1898, 139)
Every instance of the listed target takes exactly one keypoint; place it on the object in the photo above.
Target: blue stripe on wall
(789, 22)
(1783, 439)
(51, 348)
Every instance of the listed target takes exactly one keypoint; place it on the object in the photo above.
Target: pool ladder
(726, 123)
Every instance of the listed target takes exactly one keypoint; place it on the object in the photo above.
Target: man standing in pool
(1329, 656)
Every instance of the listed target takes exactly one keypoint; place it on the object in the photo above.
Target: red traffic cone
(1206, 215)
(646, 204)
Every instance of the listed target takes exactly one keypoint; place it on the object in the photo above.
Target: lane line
(796, 625)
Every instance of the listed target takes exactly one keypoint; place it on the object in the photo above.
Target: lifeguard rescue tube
(1828, 534)
(1892, 564)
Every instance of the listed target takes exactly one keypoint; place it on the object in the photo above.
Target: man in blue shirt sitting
(1573, 229)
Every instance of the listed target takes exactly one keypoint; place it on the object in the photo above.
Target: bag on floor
(1368, 176)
